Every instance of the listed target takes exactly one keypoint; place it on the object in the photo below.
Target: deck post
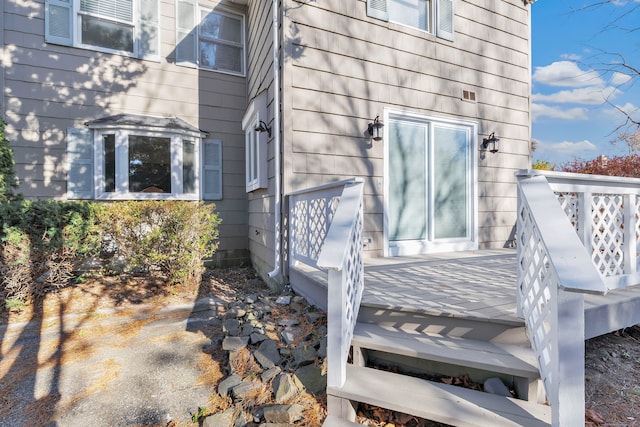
(629, 239)
(337, 325)
(568, 410)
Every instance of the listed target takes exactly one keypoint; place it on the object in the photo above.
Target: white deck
(477, 285)
(474, 284)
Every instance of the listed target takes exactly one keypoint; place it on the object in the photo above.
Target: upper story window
(129, 27)
(210, 39)
(434, 16)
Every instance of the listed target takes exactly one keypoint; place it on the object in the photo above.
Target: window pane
(109, 163)
(149, 164)
(117, 9)
(107, 34)
(188, 167)
(450, 182)
(221, 27)
(407, 181)
(414, 13)
(220, 57)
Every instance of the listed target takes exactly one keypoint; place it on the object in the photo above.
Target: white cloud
(566, 74)
(541, 110)
(566, 149)
(619, 78)
(571, 56)
(585, 95)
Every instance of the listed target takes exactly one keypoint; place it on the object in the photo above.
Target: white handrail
(605, 213)
(554, 273)
(342, 255)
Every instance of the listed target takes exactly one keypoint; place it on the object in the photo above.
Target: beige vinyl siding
(49, 88)
(260, 78)
(343, 69)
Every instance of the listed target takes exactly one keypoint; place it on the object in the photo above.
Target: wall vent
(468, 95)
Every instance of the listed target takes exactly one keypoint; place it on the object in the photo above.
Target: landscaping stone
(244, 388)
(270, 374)
(234, 343)
(231, 327)
(290, 334)
(284, 388)
(283, 413)
(227, 384)
(322, 348)
(257, 337)
(312, 379)
(288, 322)
(237, 312)
(284, 300)
(267, 354)
(222, 419)
(495, 385)
(304, 354)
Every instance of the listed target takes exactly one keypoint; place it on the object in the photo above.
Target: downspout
(276, 145)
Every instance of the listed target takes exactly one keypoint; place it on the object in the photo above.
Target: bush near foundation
(40, 244)
(43, 243)
(169, 238)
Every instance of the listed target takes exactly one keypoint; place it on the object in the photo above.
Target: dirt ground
(612, 374)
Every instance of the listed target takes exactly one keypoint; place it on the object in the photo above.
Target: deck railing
(310, 214)
(554, 272)
(326, 231)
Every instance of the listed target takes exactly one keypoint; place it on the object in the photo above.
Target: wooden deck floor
(475, 285)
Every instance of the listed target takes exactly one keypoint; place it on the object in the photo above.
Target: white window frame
(255, 145)
(122, 161)
(439, 22)
(432, 245)
(74, 36)
(183, 34)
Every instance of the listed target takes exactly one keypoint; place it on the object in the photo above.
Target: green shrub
(172, 238)
(41, 243)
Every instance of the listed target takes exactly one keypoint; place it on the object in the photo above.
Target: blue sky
(576, 93)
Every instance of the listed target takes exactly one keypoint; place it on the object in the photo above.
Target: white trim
(75, 29)
(122, 160)
(195, 31)
(431, 245)
(255, 144)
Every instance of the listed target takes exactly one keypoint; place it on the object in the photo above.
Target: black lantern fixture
(375, 129)
(263, 127)
(490, 144)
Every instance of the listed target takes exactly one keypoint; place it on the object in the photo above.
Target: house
(242, 102)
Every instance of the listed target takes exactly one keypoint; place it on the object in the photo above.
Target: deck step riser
(477, 329)
(457, 406)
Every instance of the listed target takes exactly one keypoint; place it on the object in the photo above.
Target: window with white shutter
(110, 162)
(128, 27)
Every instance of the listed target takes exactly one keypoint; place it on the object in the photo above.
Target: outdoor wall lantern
(263, 127)
(375, 129)
(491, 143)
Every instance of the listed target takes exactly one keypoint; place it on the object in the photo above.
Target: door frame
(427, 246)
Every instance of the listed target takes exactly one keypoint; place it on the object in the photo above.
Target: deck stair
(501, 352)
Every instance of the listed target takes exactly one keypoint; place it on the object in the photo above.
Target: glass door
(429, 199)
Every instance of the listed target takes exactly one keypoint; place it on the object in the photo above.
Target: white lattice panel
(607, 237)
(309, 221)
(536, 282)
(569, 203)
(353, 271)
